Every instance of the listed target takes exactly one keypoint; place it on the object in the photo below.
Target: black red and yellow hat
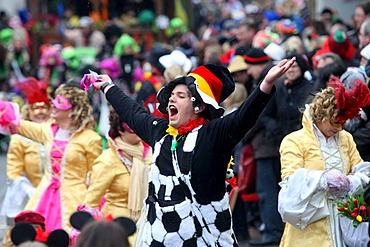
(210, 84)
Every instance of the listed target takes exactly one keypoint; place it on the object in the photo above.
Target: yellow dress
(300, 149)
(83, 148)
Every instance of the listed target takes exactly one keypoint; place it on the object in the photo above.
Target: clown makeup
(40, 108)
(61, 103)
(39, 112)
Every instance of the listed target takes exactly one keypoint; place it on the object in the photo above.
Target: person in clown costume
(187, 203)
(71, 146)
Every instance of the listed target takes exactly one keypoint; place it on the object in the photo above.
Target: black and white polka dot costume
(187, 204)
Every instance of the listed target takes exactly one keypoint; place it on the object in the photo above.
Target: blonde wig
(82, 112)
(323, 106)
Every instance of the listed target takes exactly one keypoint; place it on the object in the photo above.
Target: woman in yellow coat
(71, 147)
(120, 173)
(26, 158)
(320, 164)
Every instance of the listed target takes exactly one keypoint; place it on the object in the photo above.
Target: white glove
(336, 183)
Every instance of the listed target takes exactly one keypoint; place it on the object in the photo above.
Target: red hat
(31, 217)
(349, 101)
(340, 44)
(210, 84)
(35, 91)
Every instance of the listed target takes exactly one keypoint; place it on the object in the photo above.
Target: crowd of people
(257, 118)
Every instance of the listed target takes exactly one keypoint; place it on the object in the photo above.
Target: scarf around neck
(139, 169)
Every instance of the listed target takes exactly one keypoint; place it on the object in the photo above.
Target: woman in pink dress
(71, 145)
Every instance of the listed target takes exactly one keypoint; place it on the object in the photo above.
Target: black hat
(210, 84)
(256, 56)
(301, 60)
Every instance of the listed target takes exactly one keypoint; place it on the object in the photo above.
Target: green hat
(176, 23)
(146, 17)
(124, 41)
(69, 56)
(339, 36)
(6, 35)
(86, 55)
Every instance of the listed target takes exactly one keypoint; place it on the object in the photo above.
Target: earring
(196, 109)
(166, 109)
(192, 99)
(70, 115)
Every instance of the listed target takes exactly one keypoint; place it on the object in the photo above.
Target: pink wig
(51, 52)
(111, 65)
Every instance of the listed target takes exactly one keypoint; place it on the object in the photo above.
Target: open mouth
(172, 110)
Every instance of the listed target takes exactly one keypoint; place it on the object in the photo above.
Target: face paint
(40, 108)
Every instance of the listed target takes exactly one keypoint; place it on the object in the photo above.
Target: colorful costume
(187, 203)
(26, 158)
(70, 178)
(312, 218)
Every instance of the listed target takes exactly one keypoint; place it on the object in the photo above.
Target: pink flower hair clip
(88, 81)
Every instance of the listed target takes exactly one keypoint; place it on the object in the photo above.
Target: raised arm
(144, 124)
(274, 73)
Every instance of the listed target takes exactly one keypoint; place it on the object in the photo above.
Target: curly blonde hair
(324, 106)
(82, 112)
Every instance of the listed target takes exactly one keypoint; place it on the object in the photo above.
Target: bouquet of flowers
(354, 208)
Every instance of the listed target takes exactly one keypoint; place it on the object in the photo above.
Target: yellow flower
(359, 218)
(172, 131)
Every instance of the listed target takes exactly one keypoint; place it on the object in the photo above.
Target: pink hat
(111, 65)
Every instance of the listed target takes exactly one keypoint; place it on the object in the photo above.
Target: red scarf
(192, 124)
